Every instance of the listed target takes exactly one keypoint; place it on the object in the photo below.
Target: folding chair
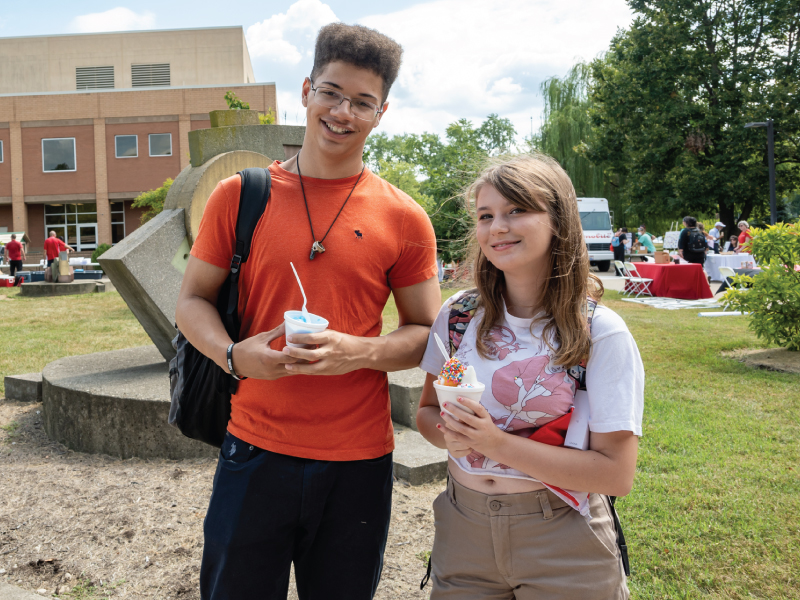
(625, 276)
(642, 283)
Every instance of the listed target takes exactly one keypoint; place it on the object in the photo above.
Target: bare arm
(338, 353)
(198, 319)
(608, 467)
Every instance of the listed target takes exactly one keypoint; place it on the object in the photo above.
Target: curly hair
(359, 46)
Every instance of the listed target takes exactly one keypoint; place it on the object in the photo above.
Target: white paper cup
(446, 393)
(295, 323)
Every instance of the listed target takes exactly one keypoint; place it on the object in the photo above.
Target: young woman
(500, 531)
(732, 245)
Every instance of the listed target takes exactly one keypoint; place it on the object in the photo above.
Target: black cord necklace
(317, 245)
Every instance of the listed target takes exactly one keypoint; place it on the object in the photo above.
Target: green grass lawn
(714, 510)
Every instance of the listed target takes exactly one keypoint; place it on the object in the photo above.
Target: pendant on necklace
(316, 247)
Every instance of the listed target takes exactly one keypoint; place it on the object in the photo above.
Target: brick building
(88, 122)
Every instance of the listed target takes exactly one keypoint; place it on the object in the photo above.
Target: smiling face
(515, 240)
(742, 227)
(335, 131)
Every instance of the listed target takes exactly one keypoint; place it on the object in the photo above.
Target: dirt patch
(774, 359)
(90, 526)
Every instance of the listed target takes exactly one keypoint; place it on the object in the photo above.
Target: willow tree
(566, 127)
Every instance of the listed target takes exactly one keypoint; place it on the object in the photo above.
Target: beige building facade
(72, 158)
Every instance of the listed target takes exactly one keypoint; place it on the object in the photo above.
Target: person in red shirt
(305, 470)
(52, 246)
(745, 235)
(15, 254)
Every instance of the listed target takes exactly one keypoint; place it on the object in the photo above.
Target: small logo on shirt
(359, 235)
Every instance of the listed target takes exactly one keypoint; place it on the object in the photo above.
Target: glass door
(87, 237)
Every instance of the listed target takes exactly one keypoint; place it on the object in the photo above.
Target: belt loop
(547, 512)
(451, 489)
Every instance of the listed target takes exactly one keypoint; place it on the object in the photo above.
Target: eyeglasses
(329, 98)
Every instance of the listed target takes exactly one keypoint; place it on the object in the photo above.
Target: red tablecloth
(687, 282)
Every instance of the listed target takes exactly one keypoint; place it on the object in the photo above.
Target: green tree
(566, 128)
(669, 102)
(443, 170)
(152, 201)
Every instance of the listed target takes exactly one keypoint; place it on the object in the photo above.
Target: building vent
(93, 78)
(150, 75)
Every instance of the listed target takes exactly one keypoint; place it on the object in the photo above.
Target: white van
(597, 232)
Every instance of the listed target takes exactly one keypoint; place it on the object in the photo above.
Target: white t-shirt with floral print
(524, 390)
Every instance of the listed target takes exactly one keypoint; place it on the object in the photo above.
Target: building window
(117, 222)
(150, 75)
(76, 224)
(58, 154)
(94, 78)
(127, 146)
(160, 144)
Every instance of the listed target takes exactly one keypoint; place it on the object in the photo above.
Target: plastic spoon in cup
(439, 343)
(305, 301)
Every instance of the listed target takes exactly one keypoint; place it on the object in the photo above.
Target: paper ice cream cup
(296, 323)
(446, 393)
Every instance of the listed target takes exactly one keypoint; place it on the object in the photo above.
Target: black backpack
(200, 391)
(696, 242)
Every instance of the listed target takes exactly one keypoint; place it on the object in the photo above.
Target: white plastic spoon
(305, 301)
(439, 343)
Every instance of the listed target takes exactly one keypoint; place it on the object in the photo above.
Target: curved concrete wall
(114, 403)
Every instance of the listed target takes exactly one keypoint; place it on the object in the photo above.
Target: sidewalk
(12, 592)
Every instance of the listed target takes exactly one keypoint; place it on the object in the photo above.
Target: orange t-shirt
(382, 240)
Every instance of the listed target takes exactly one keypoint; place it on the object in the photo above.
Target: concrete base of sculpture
(117, 403)
(23, 388)
(42, 289)
(114, 403)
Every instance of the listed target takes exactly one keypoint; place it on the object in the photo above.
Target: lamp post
(773, 206)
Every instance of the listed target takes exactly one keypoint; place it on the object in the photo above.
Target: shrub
(234, 103)
(99, 251)
(267, 119)
(153, 201)
(773, 298)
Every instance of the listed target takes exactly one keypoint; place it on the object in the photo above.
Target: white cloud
(116, 19)
(469, 58)
(288, 37)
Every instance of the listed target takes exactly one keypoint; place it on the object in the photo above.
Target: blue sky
(463, 58)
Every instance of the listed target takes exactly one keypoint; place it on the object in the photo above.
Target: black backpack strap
(256, 185)
(623, 547)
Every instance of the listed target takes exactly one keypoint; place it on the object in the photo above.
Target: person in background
(709, 238)
(645, 240)
(744, 227)
(732, 245)
(628, 240)
(52, 246)
(692, 242)
(716, 233)
(619, 249)
(439, 265)
(15, 254)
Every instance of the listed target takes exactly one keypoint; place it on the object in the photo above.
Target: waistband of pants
(526, 503)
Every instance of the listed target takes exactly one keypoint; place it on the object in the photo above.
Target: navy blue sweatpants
(269, 510)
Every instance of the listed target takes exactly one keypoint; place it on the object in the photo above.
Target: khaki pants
(529, 546)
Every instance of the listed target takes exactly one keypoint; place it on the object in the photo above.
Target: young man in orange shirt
(305, 471)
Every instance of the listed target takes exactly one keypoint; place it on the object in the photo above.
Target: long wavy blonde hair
(536, 182)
